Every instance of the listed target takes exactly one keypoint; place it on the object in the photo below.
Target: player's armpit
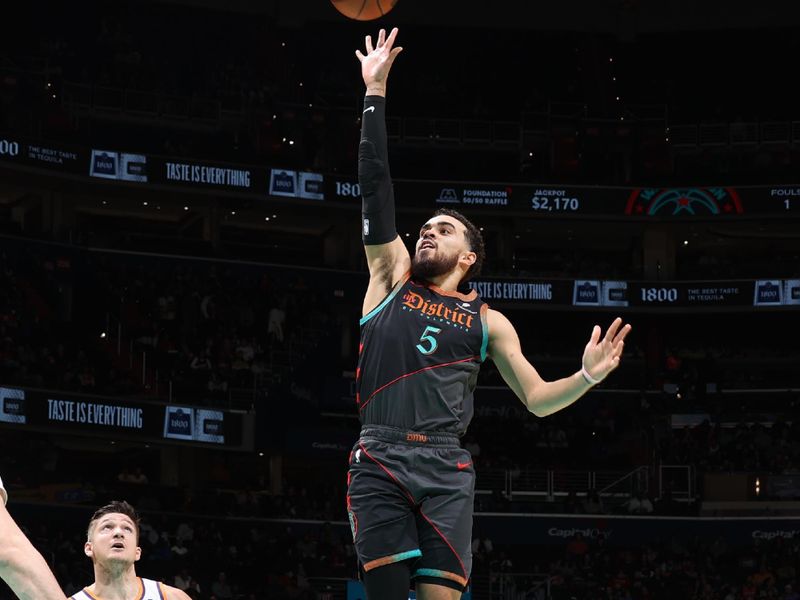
(387, 263)
(506, 352)
(382, 283)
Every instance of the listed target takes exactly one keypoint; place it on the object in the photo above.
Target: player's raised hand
(602, 356)
(377, 62)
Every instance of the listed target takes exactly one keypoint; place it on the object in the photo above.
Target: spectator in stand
(184, 532)
(201, 362)
(139, 477)
(639, 504)
(179, 551)
(184, 581)
(220, 588)
(577, 547)
(217, 386)
(277, 318)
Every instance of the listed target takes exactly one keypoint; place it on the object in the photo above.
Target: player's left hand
(602, 356)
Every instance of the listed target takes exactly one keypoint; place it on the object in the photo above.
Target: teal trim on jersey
(439, 574)
(406, 555)
(429, 573)
(485, 343)
(383, 304)
(393, 558)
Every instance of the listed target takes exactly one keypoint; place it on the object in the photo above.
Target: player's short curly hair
(474, 239)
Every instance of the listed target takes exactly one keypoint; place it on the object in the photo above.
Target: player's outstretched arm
(21, 565)
(542, 398)
(387, 257)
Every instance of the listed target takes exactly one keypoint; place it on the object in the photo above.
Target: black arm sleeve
(377, 195)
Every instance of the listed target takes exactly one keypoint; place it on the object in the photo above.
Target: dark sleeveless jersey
(419, 357)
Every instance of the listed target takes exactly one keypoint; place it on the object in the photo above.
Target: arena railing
(681, 481)
(141, 103)
(549, 484)
(738, 134)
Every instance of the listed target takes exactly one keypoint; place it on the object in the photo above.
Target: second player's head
(113, 535)
(448, 241)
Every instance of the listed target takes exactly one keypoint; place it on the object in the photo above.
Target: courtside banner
(194, 424)
(179, 423)
(559, 530)
(541, 200)
(115, 418)
(531, 291)
(768, 292)
(296, 184)
(637, 295)
(554, 201)
(92, 414)
(107, 164)
(691, 294)
(207, 175)
(12, 406)
(544, 200)
(318, 441)
(791, 293)
(587, 293)
(55, 157)
(209, 426)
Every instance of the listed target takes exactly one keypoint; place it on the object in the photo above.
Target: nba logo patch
(366, 226)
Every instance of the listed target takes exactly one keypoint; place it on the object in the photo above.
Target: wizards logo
(683, 202)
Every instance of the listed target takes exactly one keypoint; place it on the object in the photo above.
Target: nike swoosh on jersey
(369, 109)
(461, 466)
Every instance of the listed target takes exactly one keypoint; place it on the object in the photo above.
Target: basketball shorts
(410, 497)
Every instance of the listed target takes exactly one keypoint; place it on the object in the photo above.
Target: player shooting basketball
(410, 484)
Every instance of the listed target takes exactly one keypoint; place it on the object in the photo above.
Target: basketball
(363, 10)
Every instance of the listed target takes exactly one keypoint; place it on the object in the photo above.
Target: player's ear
(138, 553)
(88, 550)
(469, 258)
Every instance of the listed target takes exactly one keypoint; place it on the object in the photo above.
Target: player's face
(442, 243)
(113, 539)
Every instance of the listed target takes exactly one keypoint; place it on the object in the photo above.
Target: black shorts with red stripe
(410, 497)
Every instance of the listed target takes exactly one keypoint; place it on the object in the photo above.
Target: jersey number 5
(427, 338)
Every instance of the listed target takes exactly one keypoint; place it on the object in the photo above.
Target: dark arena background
(182, 277)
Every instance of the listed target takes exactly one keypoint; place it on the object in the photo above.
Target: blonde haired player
(112, 542)
(21, 565)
